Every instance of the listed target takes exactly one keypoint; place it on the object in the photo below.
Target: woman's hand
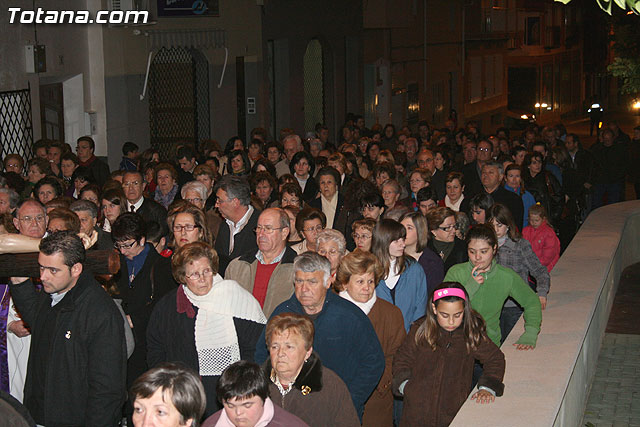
(483, 396)
(476, 273)
(524, 347)
(543, 302)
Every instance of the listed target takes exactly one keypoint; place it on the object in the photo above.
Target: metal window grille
(16, 126)
(178, 99)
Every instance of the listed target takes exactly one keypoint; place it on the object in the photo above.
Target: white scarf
(453, 206)
(215, 333)
(364, 306)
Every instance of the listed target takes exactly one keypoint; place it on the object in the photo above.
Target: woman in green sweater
(490, 284)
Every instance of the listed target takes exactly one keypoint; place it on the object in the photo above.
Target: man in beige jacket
(267, 274)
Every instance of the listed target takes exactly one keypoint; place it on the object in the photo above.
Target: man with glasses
(138, 284)
(76, 370)
(133, 185)
(267, 273)
(235, 236)
(472, 171)
(492, 177)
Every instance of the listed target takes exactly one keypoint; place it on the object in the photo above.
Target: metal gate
(178, 99)
(16, 127)
(313, 85)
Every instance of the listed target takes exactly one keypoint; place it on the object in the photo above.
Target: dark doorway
(52, 112)
(522, 88)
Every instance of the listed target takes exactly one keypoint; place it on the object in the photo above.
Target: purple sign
(170, 8)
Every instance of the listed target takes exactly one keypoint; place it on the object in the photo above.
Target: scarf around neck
(364, 306)
(215, 332)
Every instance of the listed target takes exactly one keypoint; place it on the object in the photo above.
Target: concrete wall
(549, 385)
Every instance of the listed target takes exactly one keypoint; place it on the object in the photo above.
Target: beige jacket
(280, 288)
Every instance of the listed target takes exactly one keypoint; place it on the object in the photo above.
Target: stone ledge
(549, 385)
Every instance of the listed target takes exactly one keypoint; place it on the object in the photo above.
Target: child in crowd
(542, 237)
(433, 367)
(489, 284)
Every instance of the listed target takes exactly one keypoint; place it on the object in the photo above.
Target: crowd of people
(289, 281)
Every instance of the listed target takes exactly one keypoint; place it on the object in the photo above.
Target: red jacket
(544, 243)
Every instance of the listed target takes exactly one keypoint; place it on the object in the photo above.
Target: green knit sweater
(487, 299)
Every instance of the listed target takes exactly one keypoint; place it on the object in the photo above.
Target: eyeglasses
(448, 228)
(357, 236)
(129, 184)
(121, 246)
(197, 275)
(332, 252)
(38, 219)
(187, 227)
(317, 229)
(266, 229)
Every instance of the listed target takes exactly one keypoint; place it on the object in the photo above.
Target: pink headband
(449, 292)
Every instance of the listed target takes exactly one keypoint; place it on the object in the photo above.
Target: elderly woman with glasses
(196, 193)
(309, 223)
(358, 274)
(207, 323)
(442, 226)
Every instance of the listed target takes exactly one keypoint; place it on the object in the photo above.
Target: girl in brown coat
(434, 366)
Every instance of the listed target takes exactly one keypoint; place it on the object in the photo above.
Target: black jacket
(170, 338)
(317, 204)
(86, 364)
(138, 301)
(244, 242)
(457, 256)
(153, 211)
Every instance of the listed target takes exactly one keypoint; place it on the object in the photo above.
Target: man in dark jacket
(344, 337)
(77, 362)
(99, 170)
(236, 234)
(133, 186)
(611, 158)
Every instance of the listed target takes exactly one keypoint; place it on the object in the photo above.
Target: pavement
(614, 398)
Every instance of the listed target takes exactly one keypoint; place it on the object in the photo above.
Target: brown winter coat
(440, 380)
(319, 397)
(388, 323)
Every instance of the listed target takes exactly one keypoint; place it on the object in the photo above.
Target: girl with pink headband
(433, 368)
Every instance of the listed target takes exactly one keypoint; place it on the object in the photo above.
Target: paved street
(614, 399)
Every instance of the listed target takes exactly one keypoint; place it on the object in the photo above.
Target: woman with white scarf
(207, 323)
(358, 274)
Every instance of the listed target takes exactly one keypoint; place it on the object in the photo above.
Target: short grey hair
(85, 206)
(393, 183)
(496, 165)
(310, 262)
(196, 186)
(330, 235)
(14, 198)
(236, 188)
(295, 137)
